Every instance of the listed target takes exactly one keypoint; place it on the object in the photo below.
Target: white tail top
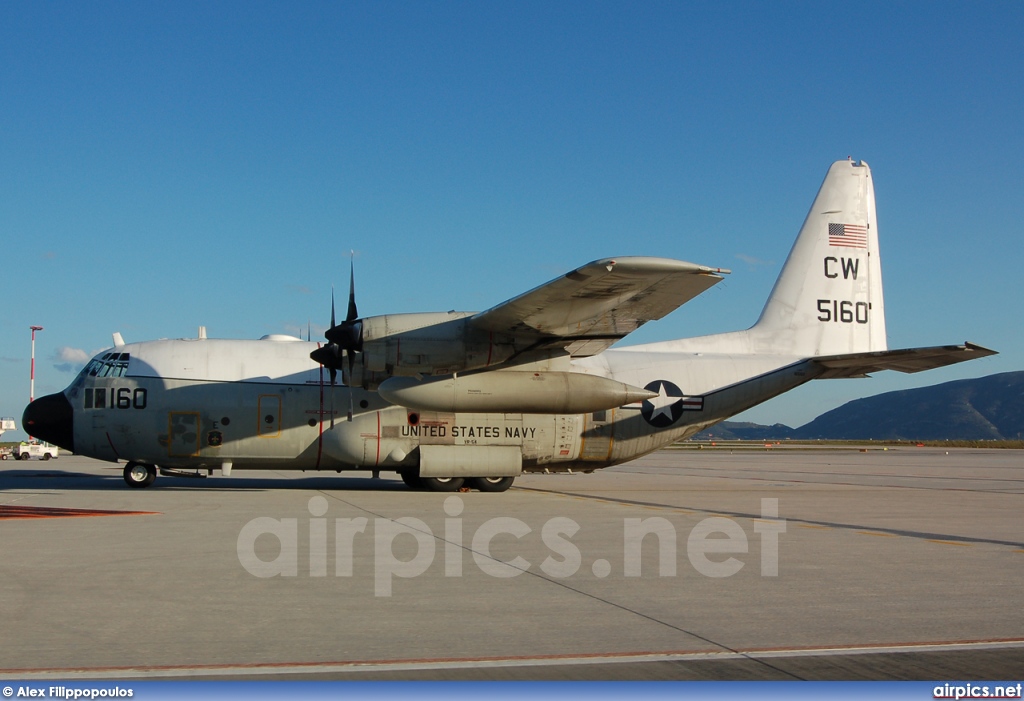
(828, 298)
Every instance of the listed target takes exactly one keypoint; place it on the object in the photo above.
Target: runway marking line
(880, 535)
(948, 542)
(8, 512)
(936, 537)
(263, 668)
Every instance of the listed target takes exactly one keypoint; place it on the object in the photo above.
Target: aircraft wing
(592, 307)
(905, 360)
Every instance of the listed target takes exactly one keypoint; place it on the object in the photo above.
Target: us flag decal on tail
(849, 235)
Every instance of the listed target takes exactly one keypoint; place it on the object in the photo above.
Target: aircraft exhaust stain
(8, 512)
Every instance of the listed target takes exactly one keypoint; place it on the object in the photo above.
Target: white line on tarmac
(372, 666)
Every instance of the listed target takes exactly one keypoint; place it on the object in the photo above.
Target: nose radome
(51, 418)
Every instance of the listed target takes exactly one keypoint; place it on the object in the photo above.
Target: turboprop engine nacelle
(434, 343)
(512, 391)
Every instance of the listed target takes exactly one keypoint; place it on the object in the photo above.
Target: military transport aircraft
(453, 399)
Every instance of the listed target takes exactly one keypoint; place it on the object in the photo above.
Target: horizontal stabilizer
(904, 360)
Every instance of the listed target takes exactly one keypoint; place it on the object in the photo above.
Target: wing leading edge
(592, 307)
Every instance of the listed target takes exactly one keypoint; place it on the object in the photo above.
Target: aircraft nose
(51, 418)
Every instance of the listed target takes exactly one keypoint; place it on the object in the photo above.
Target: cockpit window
(110, 365)
(107, 365)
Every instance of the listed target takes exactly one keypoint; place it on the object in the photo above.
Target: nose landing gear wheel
(490, 484)
(139, 475)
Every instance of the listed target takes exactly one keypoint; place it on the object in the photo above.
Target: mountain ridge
(982, 408)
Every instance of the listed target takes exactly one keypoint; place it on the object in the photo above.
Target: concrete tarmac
(756, 564)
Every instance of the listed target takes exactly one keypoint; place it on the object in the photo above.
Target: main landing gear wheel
(412, 479)
(139, 475)
(442, 484)
(490, 484)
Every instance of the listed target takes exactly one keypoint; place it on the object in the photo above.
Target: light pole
(32, 371)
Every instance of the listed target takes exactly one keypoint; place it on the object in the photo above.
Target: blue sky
(171, 165)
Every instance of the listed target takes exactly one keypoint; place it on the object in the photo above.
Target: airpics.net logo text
(712, 545)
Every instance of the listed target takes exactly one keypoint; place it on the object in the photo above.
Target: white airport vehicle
(35, 449)
(453, 399)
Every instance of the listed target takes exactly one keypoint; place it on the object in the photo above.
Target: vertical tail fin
(828, 298)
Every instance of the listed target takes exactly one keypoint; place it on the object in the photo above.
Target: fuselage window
(101, 398)
(88, 397)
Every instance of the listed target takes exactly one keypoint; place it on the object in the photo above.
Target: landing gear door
(598, 435)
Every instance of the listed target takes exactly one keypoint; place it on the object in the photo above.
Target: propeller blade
(353, 314)
(351, 388)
